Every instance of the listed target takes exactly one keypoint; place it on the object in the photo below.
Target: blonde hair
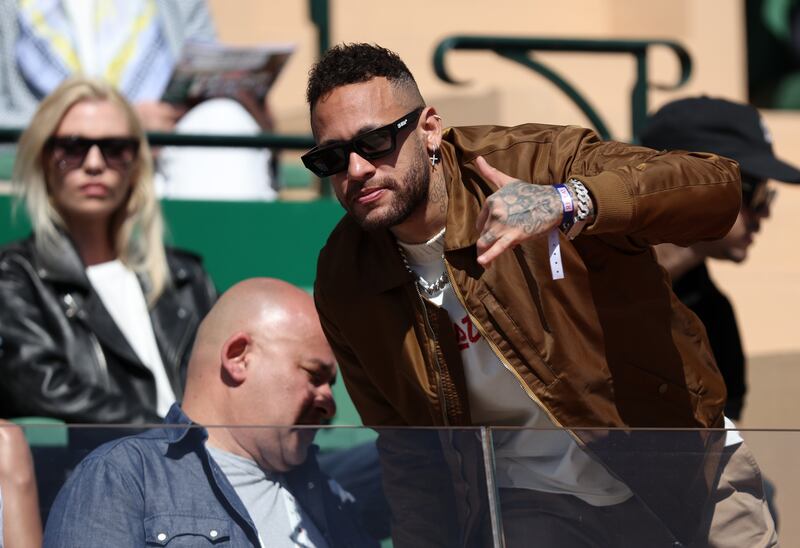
(138, 227)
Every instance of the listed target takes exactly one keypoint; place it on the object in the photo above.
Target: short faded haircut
(355, 63)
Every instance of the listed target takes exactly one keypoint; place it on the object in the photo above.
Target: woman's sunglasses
(70, 152)
(327, 160)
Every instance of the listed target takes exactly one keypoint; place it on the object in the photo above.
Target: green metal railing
(262, 140)
(520, 51)
(320, 14)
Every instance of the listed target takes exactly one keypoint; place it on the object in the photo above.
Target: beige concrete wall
(500, 92)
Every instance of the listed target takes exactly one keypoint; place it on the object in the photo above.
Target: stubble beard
(407, 197)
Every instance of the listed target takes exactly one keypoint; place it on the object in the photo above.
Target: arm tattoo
(526, 206)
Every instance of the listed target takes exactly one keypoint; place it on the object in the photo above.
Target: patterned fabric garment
(120, 41)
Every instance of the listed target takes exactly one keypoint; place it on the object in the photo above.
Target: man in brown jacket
(504, 277)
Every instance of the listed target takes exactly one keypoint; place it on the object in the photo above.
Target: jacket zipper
(74, 310)
(101, 360)
(176, 353)
(439, 388)
(438, 366)
(502, 359)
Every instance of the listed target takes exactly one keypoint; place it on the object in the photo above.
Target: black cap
(734, 130)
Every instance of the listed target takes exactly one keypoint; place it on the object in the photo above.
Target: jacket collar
(191, 438)
(177, 418)
(63, 264)
(465, 188)
(186, 436)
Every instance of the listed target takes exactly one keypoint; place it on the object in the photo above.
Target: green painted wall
(239, 240)
(244, 239)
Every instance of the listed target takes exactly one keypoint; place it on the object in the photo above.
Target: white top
(549, 461)
(279, 519)
(121, 294)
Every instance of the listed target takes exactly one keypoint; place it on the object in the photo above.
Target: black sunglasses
(760, 200)
(70, 152)
(757, 196)
(327, 160)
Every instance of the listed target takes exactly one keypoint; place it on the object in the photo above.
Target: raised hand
(516, 212)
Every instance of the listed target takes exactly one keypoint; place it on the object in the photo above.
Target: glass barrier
(351, 486)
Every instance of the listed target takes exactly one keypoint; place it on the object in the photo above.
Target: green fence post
(319, 11)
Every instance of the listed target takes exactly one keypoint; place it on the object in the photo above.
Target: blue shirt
(162, 486)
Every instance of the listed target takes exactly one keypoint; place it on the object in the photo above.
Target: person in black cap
(737, 131)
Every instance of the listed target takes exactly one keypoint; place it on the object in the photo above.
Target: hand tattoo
(530, 207)
(488, 237)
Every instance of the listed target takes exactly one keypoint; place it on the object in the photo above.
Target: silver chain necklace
(429, 289)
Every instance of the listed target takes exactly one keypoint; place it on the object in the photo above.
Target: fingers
(158, 116)
(486, 239)
(493, 249)
(494, 240)
(495, 176)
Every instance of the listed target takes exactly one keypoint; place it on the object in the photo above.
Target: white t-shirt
(549, 461)
(279, 519)
(121, 294)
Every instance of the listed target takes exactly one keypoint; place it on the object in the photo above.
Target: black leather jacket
(62, 355)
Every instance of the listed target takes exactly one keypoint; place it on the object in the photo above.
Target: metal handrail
(319, 12)
(261, 140)
(519, 50)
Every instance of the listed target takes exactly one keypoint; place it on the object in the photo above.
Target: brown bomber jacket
(609, 345)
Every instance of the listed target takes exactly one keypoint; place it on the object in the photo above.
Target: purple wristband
(566, 203)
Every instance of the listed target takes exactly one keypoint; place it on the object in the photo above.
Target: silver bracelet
(582, 210)
(582, 196)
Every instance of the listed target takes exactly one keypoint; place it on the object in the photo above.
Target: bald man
(260, 358)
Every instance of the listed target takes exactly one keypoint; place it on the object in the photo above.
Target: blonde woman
(96, 316)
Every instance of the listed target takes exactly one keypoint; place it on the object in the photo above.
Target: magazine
(215, 70)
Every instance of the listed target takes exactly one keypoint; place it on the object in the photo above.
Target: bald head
(263, 307)
(261, 359)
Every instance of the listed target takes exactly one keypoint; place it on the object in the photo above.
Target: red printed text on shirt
(466, 333)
